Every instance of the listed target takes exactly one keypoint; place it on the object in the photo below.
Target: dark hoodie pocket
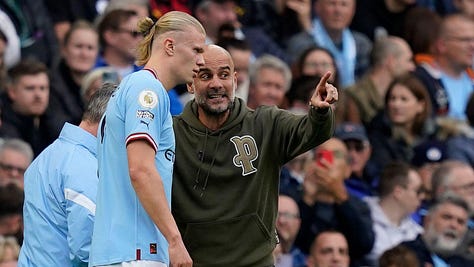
(241, 241)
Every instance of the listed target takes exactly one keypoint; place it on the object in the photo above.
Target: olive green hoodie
(225, 182)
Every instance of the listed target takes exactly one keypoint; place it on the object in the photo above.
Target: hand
(325, 94)
(330, 178)
(179, 256)
(303, 9)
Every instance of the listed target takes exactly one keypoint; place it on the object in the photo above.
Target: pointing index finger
(324, 79)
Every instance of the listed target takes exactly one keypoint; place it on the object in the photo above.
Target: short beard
(437, 243)
(216, 112)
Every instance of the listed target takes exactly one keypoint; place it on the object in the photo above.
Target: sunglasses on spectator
(134, 34)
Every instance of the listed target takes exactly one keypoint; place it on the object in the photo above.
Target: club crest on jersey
(148, 99)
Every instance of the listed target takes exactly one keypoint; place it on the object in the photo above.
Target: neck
(392, 210)
(89, 127)
(162, 74)
(77, 76)
(285, 246)
(449, 68)
(381, 80)
(212, 122)
(335, 35)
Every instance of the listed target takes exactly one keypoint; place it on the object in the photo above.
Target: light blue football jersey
(123, 231)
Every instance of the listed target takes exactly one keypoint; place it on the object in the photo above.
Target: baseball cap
(351, 131)
(430, 151)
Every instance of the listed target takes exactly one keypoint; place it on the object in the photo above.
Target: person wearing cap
(426, 159)
(363, 179)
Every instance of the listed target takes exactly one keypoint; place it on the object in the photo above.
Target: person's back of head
(400, 190)
(98, 103)
(394, 174)
(392, 54)
(11, 209)
(417, 21)
(398, 256)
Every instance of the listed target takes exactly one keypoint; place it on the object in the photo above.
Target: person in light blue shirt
(60, 192)
(134, 225)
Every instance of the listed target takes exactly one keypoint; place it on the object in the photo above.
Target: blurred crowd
(394, 185)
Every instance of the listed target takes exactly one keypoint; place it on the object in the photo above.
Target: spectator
(140, 7)
(15, 157)
(35, 29)
(9, 250)
(297, 97)
(213, 14)
(398, 256)
(461, 146)
(330, 30)
(118, 39)
(12, 54)
(270, 79)
(316, 61)
(326, 204)
(64, 13)
(78, 55)
(381, 17)
(363, 179)
(448, 82)
(11, 219)
(465, 7)
(444, 228)
(329, 248)
(457, 178)
(399, 196)
(428, 156)
(391, 58)
(404, 122)
(60, 191)
(287, 226)
(25, 103)
(94, 79)
(223, 157)
(421, 41)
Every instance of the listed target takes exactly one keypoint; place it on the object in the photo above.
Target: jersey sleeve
(147, 107)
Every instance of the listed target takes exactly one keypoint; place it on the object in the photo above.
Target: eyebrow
(220, 69)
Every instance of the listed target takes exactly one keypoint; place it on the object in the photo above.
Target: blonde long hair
(171, 21)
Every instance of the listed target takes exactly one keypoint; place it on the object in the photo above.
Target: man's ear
(190, 87)
(169, 46)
